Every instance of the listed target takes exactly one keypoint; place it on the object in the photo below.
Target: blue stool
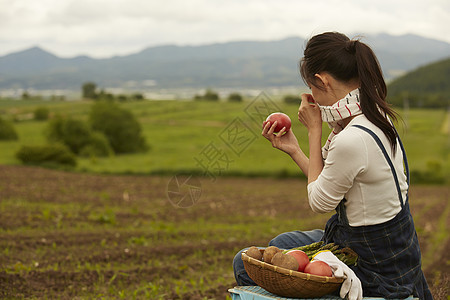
(258, 293)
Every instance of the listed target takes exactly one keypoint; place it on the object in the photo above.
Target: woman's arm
(302, 161)
(347, 158)
(315, 155)
(309, 115)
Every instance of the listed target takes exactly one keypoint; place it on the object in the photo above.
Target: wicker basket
(288, 283)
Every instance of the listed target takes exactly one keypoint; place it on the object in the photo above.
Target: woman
(359, 172)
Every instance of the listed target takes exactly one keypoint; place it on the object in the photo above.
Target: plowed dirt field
(69, 235)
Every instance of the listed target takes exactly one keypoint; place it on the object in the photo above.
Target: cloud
(104, 28)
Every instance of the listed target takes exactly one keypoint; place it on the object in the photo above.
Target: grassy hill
(427, 86)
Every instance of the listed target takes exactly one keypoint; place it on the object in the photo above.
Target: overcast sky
(104, 28)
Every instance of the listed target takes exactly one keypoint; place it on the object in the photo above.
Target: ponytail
(373, 91)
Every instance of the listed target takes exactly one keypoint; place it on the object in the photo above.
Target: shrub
(7, 131)
(291, 99)
(78, 137)
(89, 90)
(25, 95)
(122, 98)
(137, 96)
(41, 113)
(120, 127)
(105, 96)
(98, 145)
(209, 95)
(432, 175)
(55, 154)
(235, 97)
(75, 134)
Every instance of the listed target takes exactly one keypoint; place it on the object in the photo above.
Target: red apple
(282, 119)
(301, 258)
(318, 267)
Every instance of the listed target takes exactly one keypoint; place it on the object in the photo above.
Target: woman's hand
(284, 141)
(309, 113)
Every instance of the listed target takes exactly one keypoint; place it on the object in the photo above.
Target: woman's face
(326, 90)
(322, 96)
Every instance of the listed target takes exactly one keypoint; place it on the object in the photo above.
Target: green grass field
(182, 133)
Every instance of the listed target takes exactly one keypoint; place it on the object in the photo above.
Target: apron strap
(389, 161)
(405, 160)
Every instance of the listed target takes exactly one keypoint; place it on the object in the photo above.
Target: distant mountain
(233, 64)
(400, 54)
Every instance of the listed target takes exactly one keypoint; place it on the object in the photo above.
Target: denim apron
(389, 262)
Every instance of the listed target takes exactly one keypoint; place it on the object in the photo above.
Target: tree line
(89, 91)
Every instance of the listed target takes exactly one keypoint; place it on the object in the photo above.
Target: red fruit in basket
(283, 120)
(318, 267)
(301, 258)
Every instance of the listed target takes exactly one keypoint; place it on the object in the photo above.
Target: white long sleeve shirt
(357, 170)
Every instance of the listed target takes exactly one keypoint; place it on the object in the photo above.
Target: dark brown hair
(347, 60)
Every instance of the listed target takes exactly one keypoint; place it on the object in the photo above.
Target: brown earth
(70, 235)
